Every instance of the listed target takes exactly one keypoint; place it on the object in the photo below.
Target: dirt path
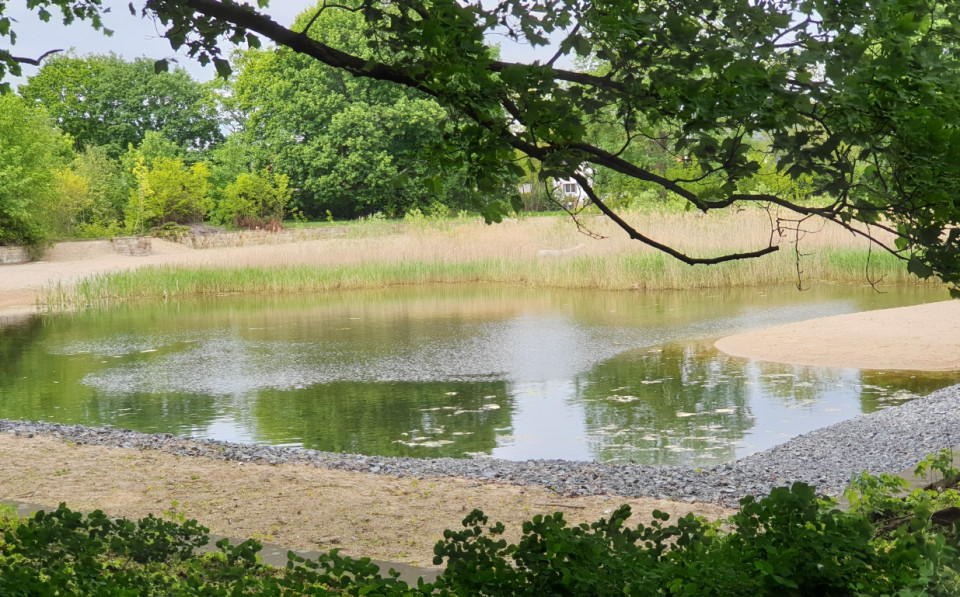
(297, 506)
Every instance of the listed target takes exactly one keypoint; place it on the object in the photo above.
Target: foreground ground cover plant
(790, 542)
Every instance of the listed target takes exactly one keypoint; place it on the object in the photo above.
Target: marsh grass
(373, 255)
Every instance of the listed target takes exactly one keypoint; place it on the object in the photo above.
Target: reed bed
(508, 253)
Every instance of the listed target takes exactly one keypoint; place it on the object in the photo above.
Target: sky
(132, 37)
(135, 37)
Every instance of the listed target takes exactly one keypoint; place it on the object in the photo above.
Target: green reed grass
(643, 270)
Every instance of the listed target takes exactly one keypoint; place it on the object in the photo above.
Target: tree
(106, 188)
(167, 191)
(255, 200)
(108, 102)
(351, 146)
(861, 96)
(31, 153)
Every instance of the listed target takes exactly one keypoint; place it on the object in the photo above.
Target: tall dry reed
(532, 251)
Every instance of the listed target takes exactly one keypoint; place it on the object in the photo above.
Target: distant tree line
(97, 146)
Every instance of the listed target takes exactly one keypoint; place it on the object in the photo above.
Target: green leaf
(223, 67)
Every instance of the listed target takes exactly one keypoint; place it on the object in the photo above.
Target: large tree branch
(562, 154)
(243, 17)
(637, 235)
(34, 61)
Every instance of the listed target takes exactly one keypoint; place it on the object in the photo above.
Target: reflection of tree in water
(35, 385)
(180, 414)
(885, 389)
(17, 336)
(427, 419)
(800, 386)
(38, 385)
(796, 385)
(664, 406)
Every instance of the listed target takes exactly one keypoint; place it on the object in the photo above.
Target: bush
(788, 543)
(255, 200)
(168, 191)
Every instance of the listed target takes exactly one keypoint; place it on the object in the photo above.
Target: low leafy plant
(789, 543)
(170, 231)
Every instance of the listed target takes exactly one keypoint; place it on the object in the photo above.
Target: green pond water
(452, 371)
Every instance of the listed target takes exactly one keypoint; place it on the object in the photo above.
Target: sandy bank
(918, 338)
(298, 506)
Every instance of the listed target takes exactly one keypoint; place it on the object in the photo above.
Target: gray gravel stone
(885, 442)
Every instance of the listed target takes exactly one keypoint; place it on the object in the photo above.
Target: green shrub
(167, 190)
(255, 200)
(789, 543)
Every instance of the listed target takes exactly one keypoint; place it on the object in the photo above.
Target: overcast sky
(134, 37)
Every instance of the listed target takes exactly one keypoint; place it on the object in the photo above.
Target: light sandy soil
(300, 507)
(918, 338)
(297, 506)
(373, 515)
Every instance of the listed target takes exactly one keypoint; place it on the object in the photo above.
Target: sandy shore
(296, 506)
(918, 338)
(374, 515)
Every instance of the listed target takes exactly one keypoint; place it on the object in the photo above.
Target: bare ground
(371, 515)
(297, 506)
(918, 338)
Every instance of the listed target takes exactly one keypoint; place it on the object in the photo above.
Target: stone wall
(10, 255)
(211, 239)
(132, 245)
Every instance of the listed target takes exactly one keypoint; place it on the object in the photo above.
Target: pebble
(889, 441)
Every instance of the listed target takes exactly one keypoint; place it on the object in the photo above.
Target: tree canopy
(108, 102)
(30, 153)
(859, 98)
(351, 146)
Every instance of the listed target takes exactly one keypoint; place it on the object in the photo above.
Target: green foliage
(858, 98)
(255, 200)
(788, 543)
(31, 154)
(89, 198)
(71, 199)
(108, 102)
(94, 556)
(167, 191)
(350, 146)
(106, 186)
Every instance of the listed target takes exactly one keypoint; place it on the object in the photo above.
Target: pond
(457, 371)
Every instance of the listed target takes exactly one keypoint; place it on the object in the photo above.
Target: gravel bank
(889, 441)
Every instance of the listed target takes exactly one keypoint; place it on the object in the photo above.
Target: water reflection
(449, 371)
(689, 403)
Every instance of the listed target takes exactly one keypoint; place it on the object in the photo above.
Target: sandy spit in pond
(918, 338)
(296, 506)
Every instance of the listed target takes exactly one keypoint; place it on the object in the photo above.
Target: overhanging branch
(34, 61)
(636, 235)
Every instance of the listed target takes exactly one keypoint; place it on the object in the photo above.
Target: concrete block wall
(132, 245)
(11, 255)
